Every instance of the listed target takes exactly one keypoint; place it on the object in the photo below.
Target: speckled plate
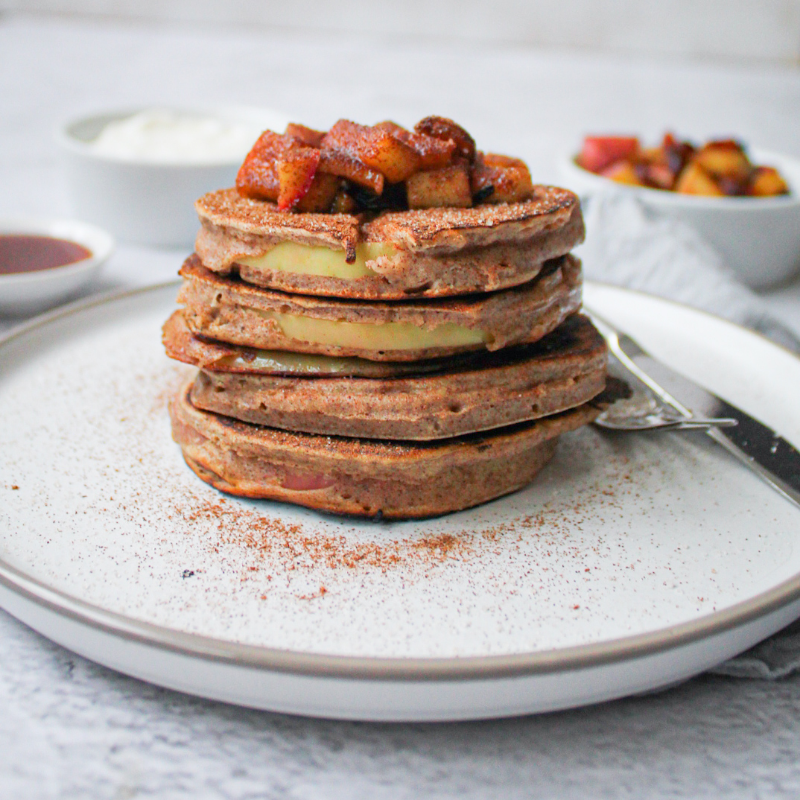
(635, 560)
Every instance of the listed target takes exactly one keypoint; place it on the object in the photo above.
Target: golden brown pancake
(564, 370)
(229, 310)
(182, 345)
(366, 477)
(433, 252)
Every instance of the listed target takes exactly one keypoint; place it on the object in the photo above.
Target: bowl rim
(98, 241)
(65, 137)
(568, 166)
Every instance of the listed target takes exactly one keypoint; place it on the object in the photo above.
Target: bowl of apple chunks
(745, 204)
(353, 168)
(719, 168)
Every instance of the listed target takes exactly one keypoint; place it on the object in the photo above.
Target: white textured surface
(69, 729)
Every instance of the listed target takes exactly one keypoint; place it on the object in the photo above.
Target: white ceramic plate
(632, 562)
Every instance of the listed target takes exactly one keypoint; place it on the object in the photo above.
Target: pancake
(182, 345)
(417, 356)
(564, 370)
(229, 310)
(363, 477)
(434, 252)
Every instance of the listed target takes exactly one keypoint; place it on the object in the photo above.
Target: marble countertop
(69, 728)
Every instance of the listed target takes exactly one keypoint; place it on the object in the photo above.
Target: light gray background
(727, 29)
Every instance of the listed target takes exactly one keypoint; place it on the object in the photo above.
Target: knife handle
(783, 477)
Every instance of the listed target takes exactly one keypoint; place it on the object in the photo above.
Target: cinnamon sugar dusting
(292, 546)
(550, 206)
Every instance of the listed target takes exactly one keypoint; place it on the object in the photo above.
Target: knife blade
(752, 442)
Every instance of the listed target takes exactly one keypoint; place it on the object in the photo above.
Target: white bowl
(759, 237)
(140, 200)
(26, 293)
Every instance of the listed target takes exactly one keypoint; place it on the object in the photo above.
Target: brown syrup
(23, 253)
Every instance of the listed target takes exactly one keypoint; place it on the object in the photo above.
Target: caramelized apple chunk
(724, 159)
(655, 174)
(296, 168)
(766, 182)
(305, 135)
(338, 162)
(446, 129)
(387, 154)
(624, 172)
(376, 147)
(343, 202)
(321, 194)
(258, 176)
(509, 179)
(695, 180)
(676, 152)
(433, 153)
(599, 152)
(392, 127)
(438, 188)
(659, 167)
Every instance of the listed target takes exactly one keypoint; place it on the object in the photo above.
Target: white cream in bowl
(138, 172)
(167, 136)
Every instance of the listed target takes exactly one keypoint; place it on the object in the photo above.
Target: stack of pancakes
(400, 364)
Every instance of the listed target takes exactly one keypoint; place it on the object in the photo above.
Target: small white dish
(25, 293)
(142, 200)
(759, 237)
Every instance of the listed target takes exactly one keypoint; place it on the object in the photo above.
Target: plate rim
(416, 669)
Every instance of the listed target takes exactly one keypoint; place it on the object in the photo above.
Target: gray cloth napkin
(632, 246)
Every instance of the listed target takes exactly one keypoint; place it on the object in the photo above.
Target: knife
(756, 445)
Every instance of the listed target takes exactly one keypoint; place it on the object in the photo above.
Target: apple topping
(696, 180)
(600, 152)
(719, 168)
(321, 194)
(659, 167)
(258, 175)
(337, 162)
(296, 169)
(508, 177)
(676, 153)
(724, 159)
(343, 203)
(305, 135)
(353, 168)
(623, 172)
(375, 147)
(446, 129)
(395, 159)
(766, 182)
(433, 153)
(440, 187)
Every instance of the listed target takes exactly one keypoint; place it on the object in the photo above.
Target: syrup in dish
(31, 253)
